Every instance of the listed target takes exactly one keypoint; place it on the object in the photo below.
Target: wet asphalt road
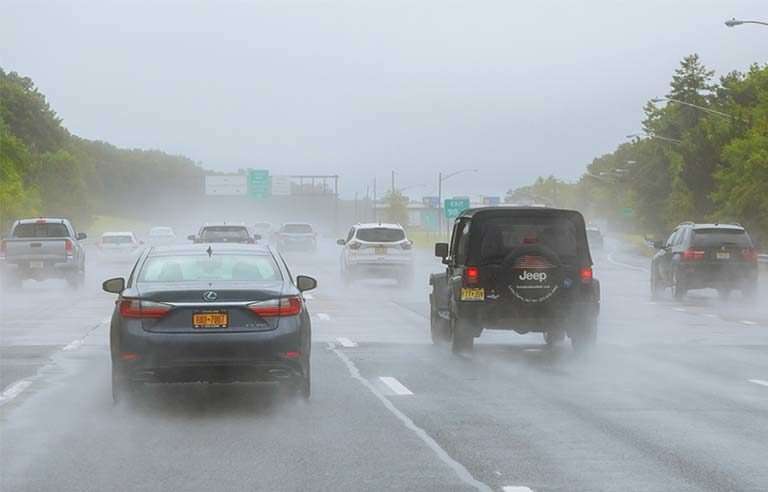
(675, 397)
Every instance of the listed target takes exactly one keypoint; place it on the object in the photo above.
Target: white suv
(377, 251)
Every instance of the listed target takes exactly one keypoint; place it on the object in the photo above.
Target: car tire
(553, 337)
(678, 288)
(585, 336)
(656, 287)
(462, 340)
(439, 328)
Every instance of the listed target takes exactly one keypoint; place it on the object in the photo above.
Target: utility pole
(440, 201)
(375, 212)
(393, 182)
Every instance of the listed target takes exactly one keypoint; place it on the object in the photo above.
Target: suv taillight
(691, 254)
(406, 245)
(69, 248)
(471, 275)
(749, 254)
(287, 306)
(353, 245)
(135, 308)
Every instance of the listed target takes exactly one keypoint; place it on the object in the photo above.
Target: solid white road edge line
(516, 488)
(758, 381)
(395, 385)
(457, 467)
(346, 342)
(625, 265)
(14, 390)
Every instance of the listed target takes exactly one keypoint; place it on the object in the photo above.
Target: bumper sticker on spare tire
(534, 285)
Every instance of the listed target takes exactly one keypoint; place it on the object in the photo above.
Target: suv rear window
(501, 235)
(297, 228)
(380, 235)
(224, 233)
(40, 230)
(709, 238)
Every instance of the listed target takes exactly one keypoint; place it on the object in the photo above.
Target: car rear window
(216, 268)
(161, 231)
(40, 230)
(116, 239)
(224, 233)
(297, 228)
(501, 235)
(380, 235)
(708, 238)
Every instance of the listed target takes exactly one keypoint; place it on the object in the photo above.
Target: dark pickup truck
(526, 269)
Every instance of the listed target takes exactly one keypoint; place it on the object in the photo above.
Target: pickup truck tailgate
(51, 250)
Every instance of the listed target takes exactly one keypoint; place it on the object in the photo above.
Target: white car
(161, 235)
(377, 251)
(119, 246)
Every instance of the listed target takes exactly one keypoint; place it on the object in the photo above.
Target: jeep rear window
(380, 235)
(709, 238)
(501, 235)
(32, 230)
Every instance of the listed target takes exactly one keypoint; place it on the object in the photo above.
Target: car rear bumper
(210, 356)
(50, 269)
(717, 276)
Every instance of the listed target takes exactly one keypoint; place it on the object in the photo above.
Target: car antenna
(209, 251)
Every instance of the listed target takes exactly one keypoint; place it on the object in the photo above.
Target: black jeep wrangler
(526, 269)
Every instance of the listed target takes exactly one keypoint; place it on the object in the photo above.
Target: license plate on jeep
(723, 255)
(472, 294)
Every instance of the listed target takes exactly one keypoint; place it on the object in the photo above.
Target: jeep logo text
(538, 276)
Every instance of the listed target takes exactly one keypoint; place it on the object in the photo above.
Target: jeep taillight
(471, 275)
(586, 274)
(691, 254)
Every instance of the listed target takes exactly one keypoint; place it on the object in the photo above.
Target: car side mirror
(114, 285)
(192, 237)
(341, 242)
(658, 244)
(441, 250)
(305, 283)
(81, 236)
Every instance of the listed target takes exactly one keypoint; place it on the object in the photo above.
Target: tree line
(702, 155)
(47, 171)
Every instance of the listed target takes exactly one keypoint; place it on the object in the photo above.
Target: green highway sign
(628, 212)
(258, 183)
(454, 206)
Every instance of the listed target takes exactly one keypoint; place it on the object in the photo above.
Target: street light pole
(736, 22)
(440, 179)
(685, 103)
(653, 135)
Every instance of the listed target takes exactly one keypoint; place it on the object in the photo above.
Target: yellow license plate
(381, 251)
(472, 294)
(210, 320)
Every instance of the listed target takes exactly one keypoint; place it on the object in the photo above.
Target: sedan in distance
(119, 246)
(213, 313)
(161, 235)
(297, 236)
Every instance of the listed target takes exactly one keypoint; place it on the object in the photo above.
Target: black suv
(700, 256)
(526, 269)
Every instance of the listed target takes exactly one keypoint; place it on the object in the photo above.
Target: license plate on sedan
(36, 264)
(210, 319)
(723, 255)
(468, 294)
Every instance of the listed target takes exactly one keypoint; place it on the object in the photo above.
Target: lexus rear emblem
(210, 296)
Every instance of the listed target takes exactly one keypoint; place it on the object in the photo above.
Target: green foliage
(396, 211)
(46, 170)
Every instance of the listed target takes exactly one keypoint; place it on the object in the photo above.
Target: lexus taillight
(354, 245)
(586, 274)
(691, 254)
(286, 306)
(471, 275)
(749, 254)
(69, 247)
(135, 308)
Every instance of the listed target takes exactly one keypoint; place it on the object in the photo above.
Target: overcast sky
(359, 88)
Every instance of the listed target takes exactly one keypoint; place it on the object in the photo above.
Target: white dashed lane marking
(680, 310)
(747, 322)
(346, 342)
(14, 390)
(516, 488)
(395, 385)
(759, 381)
(323, 317)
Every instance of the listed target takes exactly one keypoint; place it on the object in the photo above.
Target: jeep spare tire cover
(532, 274)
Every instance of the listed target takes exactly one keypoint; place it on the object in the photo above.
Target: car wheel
(122, 386)
(462, 340)
(439, 328)
(678, 288)
(656, 287)
(553, 337)
(585, 336)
